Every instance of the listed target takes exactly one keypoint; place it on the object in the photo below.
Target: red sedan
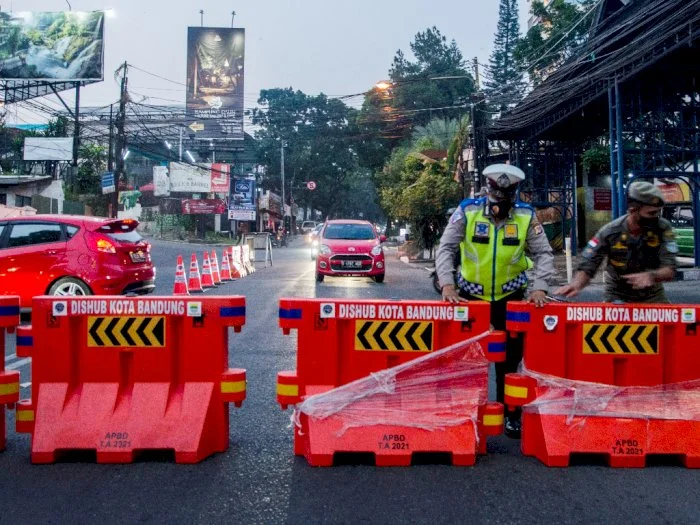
(73, 255)
(350, 248)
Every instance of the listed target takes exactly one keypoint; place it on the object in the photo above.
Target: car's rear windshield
(132, 236)
(360, 232)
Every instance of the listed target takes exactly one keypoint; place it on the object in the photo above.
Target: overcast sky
(328, 46)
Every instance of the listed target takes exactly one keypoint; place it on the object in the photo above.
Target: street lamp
(383, 85)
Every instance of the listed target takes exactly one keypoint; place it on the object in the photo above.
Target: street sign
(108, 185)
(241, 215)
(196, 126)
(311, 185)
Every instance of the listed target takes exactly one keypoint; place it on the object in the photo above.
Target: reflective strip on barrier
(25, 340)
(518, 317)
(394, 335)
(25, 415)
(10, 388)
(496, 347)
(516, 391)
(9, 311)
(603, 339)
(233, 311)
(493, 420)
(233, 387)
(290, 313)
(287, 390)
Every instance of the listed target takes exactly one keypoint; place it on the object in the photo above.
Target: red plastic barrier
(9, 380)
(341, 341)
(121, 375)
(617, 380)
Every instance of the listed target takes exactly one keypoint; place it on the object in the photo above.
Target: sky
(337, 48)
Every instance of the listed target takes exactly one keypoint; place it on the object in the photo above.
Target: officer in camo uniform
(640, 248)
(495, 235)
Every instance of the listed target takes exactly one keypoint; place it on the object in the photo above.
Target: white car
(308, 226)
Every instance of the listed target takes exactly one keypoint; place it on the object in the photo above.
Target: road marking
(18, 364)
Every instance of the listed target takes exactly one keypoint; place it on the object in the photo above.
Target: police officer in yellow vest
(495, 235)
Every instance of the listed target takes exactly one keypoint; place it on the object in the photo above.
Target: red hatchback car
(73, 255)
(350, 248)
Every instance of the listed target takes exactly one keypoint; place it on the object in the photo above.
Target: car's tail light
(105, 246)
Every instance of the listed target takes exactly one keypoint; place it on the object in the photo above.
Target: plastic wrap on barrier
(571, 398)
(441, 389)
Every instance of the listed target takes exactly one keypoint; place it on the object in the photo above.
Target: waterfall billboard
(66, 46)
(215, 72)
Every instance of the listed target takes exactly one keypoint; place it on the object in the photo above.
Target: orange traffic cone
(225, 268)
(207, 281)
(180, 287)
(214, 264)
(195, 282)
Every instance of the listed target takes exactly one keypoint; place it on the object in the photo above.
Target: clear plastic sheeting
(441, 389)
(567, 397)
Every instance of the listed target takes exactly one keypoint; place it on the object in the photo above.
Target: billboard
(203, 206)
(220, 178)
(161, 182)
(215, 71)
(188, 178)
(48, 148)
(65, 46)
(242, 202)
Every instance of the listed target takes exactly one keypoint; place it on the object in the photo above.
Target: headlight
(324, 250)
(314, 243)
(377, 250)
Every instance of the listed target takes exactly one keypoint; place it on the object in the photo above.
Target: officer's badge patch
(481, 229)
(511, 231)
(593, 244)
(672, 247)
(619, 246)
(652, 240)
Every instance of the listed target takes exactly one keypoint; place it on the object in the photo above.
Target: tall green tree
(505, 87)
(562, 28)
(435, 82)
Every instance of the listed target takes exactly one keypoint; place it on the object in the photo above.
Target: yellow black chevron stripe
(394, 336)
(125, 331)
(626, 339)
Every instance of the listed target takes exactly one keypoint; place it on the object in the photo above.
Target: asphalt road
(258, 480)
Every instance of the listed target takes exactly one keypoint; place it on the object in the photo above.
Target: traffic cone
(214, 263)
(195, 282)
(225, 267)
(207, 281)
(180, 287)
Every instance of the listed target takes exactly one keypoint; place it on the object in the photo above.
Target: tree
(317, 134)
(505, 86)
(435, 84)
(563, 27)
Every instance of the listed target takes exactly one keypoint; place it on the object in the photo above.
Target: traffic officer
(493, 233)
(641, 251)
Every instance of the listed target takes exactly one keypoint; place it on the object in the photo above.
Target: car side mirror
(382, 238)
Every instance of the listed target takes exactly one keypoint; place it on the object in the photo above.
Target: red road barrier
(9, 380)
(617, 380)
(343, 341)
(121, 375)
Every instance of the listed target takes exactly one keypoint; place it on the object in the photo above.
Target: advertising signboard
(203, 206)
(190, 179)
(48, 148)
(242, 202)
(108, 185)
(220, 182)
(67, 46)
(161, 183)
(215, 72)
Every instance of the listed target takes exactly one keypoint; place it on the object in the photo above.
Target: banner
(161, 182)
(48, 148)
(241, 215)
(66, 46)
(220, 182)
(190, 179)
(203, 206)
(215, 60)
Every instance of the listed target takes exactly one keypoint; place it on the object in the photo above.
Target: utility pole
(201, 17)
(121, 139)
(233, 15)
(282, 165)
(76, 127)
(110, 151)
(476, 74)
(180, 149)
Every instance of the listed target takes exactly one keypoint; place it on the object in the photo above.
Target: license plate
(138, 257)
(352, 264)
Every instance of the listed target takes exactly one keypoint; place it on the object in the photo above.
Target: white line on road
(18, 364)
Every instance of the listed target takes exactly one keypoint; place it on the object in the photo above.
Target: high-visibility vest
(493, 259)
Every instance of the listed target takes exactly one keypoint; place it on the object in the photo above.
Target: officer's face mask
(501, 199)
(648, 217)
